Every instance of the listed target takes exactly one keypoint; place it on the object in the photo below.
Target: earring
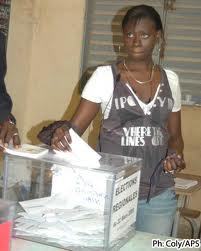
(157, 49)
(119, 48)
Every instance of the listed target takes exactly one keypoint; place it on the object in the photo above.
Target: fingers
(61, 139)
(16, 140)
(3, 133)
(180, 162)
(167, 166)
(174, 163)
(9, 133)
(1, 148)
(12, 136)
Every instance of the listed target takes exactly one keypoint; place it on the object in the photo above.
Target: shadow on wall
(33, 132)
(116, 29)
(73, 104)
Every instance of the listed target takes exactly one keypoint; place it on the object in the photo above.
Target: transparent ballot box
(72, 206)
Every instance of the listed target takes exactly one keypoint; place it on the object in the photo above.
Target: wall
(44, 55)
(19, 57)
(191, 121)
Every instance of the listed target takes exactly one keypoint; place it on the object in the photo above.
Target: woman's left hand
(8, 134)
(174, 163)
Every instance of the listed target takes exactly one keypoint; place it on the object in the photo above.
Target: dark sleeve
(5, 100)
(45, 135)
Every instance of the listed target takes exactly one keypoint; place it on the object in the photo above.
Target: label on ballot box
(124, 206)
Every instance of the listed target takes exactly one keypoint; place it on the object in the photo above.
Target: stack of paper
(77, 226)
(27, 150)
(184, 183)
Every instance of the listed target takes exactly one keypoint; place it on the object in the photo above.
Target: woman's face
(140, 38)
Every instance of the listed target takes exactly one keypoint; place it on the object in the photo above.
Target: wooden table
(184, 197)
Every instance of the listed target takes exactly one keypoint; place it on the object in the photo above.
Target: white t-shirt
(99, 89)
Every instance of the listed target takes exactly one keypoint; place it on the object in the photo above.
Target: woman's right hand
(85, 113)
(61, 139)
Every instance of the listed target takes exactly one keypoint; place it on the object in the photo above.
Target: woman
(141, 105)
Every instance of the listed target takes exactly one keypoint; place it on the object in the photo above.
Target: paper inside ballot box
(80, 187)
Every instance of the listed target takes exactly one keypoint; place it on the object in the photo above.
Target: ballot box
(70, 205)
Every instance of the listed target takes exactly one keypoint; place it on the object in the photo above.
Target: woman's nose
(136, 40)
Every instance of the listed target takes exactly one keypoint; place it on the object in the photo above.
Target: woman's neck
(139, 66)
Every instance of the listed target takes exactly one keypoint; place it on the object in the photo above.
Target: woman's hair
(143, 11)
(138, 12)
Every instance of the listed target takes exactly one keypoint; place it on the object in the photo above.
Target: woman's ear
(159, 35)
(160, 40)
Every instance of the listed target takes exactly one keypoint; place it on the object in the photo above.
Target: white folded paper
(27, 150)
(184, 183)
(78, 226)
(82, 154)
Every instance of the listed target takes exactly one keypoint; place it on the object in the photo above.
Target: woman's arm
(84, 115)
(175, 161)
(174, 128)
(95, 93)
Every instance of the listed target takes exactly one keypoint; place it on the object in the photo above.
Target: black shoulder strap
(116, 75)
(165, 80)
(115, 80)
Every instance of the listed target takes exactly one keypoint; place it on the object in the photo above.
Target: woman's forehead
(143, 22)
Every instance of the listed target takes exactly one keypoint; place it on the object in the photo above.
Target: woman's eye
(130, 35)
(145, 36)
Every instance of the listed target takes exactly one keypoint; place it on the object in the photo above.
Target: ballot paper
(184, 183)
(78, 226)
(82, 154)
(27, 150)
(75, 186)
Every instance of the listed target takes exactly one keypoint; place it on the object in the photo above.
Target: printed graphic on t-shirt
(122, 102)
(136, 136)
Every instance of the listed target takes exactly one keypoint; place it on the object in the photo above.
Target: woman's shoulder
(101, 78)
(172, 76)
(101, 75)
(104, 69)
(173, 80)
(100, 85)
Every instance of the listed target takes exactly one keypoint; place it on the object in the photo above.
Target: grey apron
(128, 131)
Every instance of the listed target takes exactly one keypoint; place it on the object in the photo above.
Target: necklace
(138, 81)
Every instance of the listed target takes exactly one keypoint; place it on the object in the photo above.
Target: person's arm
(5, 100)
(82, 118)
(96, 93)
(174, 128)
(8, 130)
(175, 161)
